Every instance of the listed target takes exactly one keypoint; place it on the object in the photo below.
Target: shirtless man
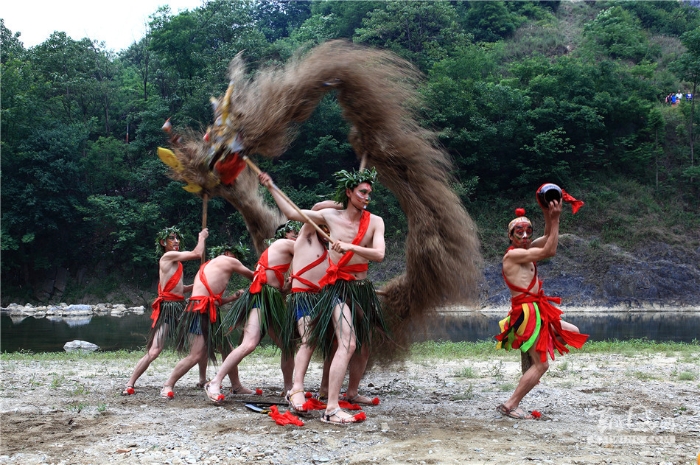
(348, 304)
(201, 321)
(260, 309)
(168, 306)
(533, 324)
(309, 266)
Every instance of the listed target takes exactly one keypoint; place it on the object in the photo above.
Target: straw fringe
(273, 316)
(168, 319)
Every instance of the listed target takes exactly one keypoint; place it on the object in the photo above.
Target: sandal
(514, 413)
(167, 393)
(129, 390)
(200, 384)
(296, 408)
(357, 418)
(216, 398)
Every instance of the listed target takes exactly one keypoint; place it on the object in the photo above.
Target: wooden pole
(205, 201)
(363, 163)
(257, 171)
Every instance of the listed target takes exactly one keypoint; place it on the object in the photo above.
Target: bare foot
(360, 399)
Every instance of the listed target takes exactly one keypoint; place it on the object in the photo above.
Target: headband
(520, 218)
(239, 250)
(163, 235)
(350, 180)
(289, 226)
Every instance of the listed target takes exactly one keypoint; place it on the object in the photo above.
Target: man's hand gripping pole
(257, 171)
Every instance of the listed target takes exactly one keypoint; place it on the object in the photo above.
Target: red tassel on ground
(535, 414)
(284, 419)
(230, 168)
(258, 392)
(348, 406)
(360, 416)
(313, 404)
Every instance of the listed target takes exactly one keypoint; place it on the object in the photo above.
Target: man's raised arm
(195, 254)
(285, 207)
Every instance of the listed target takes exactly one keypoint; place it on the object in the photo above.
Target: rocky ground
(620, 408)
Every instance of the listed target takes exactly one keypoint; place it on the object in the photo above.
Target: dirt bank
(599, 408)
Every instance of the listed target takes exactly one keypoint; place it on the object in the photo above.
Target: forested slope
(519, 93)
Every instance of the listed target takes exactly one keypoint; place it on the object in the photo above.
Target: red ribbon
(575, 204)
(230, 168)
(206, 304)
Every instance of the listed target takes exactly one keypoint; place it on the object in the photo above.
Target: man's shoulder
(375, 218)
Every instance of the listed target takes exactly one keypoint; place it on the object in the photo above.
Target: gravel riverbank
(622, 408)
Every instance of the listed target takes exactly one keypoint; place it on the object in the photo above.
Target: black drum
(548, 192)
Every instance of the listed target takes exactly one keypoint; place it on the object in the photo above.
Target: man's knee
(348, 347)
(542, 367)
(154, 352)
(248, 346)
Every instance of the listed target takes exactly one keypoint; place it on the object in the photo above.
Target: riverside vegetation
(519, 93)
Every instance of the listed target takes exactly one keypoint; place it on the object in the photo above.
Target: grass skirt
(170, 314)
(194, 323)
(273, 316)
(365, 311)
(305, 302)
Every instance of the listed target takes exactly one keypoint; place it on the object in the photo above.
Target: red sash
(260, 275)
(165, 294)
(206, 303)
(342, 270)
(312, 287)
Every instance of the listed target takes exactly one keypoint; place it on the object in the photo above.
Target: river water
(130, 331)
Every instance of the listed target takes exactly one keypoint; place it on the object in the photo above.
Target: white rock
(79, 345)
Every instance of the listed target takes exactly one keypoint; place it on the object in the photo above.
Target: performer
(260, 309)
(309, 266)
(201, 319)
(348, 307)
(168, 306)
(533, 324)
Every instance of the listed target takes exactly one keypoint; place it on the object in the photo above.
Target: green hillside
(519, 93)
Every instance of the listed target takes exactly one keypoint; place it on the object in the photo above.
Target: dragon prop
(377, 93)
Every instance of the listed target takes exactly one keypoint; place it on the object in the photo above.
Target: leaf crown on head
(239, 250)
(163, 235)
(289, 226)
(350, 180)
